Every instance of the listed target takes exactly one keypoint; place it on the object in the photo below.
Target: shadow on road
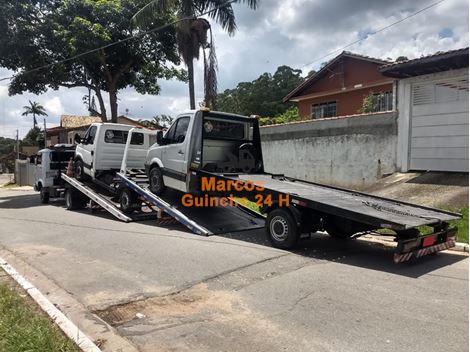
(360, 253)
(21, 201)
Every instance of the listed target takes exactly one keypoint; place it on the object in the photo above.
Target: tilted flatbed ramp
(376, 211)
(201, 220)
(220, 219)
(99, 199)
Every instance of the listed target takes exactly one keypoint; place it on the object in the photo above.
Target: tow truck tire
(44, 195)
(281, 229)
(74, 200)
(128, 200)
(157, 186)
(79, 171)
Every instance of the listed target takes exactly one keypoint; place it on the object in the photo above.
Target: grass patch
(9, 185)
(24, 328)
(462, 224)
(248, 204)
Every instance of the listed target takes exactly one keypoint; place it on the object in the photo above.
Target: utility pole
(45, 134)
(17, 146)
(17, 156)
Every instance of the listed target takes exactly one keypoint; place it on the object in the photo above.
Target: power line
(373, 33)
(135, 36)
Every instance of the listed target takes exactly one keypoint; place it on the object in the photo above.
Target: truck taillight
(429, 241)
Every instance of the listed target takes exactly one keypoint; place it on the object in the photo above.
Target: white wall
(352, 152)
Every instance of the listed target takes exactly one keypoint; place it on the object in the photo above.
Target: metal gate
(439, 125)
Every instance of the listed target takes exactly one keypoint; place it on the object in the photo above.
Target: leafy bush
(291, 115)
(370, 103)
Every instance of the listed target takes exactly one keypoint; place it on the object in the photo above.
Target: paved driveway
(234, 292)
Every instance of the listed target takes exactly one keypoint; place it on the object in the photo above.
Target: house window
(324, 110)
(384, 101)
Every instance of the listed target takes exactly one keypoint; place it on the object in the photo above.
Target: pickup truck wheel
(281, 229)
(79, 171)
(127, 200)
(74, 200)
(44, 195)
(156, 181)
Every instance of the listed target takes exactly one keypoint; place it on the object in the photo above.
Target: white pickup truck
(99, 153)
(203, 140)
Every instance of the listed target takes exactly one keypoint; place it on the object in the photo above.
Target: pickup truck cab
(99, 153)
(203, 140)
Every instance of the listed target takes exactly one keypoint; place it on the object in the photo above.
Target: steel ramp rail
(100, 200)
(166, 207)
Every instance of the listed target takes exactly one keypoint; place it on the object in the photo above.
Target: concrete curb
(67, 326)
(460, 247)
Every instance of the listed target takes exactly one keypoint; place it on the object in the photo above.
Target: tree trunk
(113, 103)
(192, 101)
(104, 118)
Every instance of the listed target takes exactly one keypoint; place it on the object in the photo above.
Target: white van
(99, 153)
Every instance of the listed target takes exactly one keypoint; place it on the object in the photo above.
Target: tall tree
(264, 95)
(41, 32)
(192, 35)
(34, 109)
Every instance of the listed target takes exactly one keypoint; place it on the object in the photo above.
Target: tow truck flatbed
(376, 211)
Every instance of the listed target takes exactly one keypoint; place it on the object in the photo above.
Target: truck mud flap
(424, 245)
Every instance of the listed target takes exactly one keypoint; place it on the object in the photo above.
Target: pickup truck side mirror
(160, 139)
(77, 139)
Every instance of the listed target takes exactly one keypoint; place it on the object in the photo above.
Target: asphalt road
(234, 292)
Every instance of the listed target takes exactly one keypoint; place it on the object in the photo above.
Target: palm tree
(34, 109)
(192, 35)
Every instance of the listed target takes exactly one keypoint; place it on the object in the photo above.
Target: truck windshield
(60, 159)
(217, 128)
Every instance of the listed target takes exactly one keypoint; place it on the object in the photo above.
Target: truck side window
(181, 129)
(90, 135)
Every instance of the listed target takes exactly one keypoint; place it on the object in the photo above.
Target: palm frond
(223, 15)
(146, 15)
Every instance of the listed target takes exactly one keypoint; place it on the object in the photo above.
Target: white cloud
(279, 32)
(54, 106)
(3, 91)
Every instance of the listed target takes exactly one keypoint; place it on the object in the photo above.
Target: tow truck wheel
(74, 201)
(156, 181)
(127, 200)
(281, 229)
(44, 196)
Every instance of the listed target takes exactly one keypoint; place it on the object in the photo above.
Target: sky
(297, 33)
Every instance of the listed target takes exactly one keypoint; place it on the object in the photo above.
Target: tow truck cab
(50, 163)
(203, 140)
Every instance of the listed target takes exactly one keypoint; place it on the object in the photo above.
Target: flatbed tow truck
(311, 207)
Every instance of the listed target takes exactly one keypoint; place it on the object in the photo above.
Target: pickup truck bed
(365, 208)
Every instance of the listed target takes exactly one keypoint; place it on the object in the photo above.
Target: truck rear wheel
(44, 195)
(79, 171)
(156, 181)
(128, 200)
(281, 229)
(74, 200)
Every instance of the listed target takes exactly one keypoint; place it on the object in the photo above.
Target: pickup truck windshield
(216, 128)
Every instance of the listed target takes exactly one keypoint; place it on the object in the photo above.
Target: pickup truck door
(87, 148)
(174, 154)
